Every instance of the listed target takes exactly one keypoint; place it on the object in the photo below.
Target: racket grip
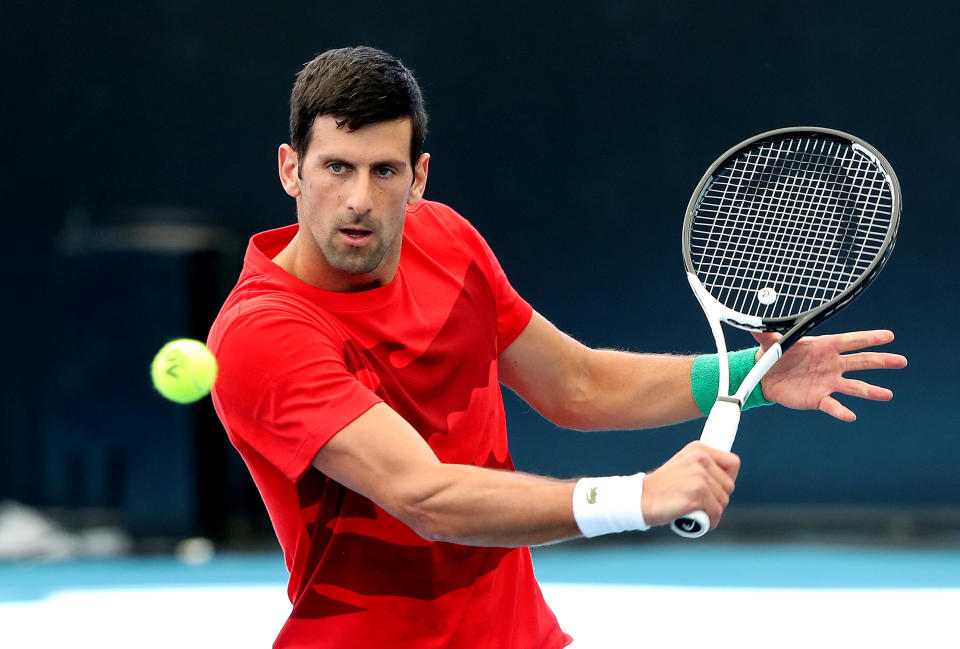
(722, 423)
(719, 432)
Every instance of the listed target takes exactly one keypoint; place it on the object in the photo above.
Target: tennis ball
(183, 370)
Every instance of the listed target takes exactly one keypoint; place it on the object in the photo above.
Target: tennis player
(361, 356)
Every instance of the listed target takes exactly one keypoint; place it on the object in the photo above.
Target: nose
(359, 196)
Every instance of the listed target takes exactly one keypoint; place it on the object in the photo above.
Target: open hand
(813, 368)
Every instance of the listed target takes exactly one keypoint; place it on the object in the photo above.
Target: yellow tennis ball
(184, 370)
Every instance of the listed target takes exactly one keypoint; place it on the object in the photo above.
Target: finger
(873, 361)
(836, 409)
(714, 510)
(766, 338)
(722, 468)
(856, 388)
(728, 463)
(721, 483)
(715, 503)
(729, 466)
(854, 340)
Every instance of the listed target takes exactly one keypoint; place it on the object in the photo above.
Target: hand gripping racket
(783, 230)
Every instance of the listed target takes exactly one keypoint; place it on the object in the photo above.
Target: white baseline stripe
(620, 617)
(597, 616)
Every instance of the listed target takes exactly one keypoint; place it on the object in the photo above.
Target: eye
(384, 172)
(337, 167)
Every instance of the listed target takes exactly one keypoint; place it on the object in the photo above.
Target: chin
(354, 266)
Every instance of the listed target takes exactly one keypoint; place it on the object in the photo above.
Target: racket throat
(732, 399)
(753, 377)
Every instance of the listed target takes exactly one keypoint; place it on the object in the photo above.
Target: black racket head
(790, 225)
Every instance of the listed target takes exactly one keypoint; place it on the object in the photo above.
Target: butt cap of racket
(692, 526)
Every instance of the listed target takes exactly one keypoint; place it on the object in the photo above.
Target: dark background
(140, 143)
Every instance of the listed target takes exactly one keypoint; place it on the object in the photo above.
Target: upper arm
(284, 385)
(380, 456)
(547, 368)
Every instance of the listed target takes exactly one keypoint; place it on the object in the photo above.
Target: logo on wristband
(592, 496)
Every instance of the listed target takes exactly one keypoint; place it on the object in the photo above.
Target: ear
(288, 163)
(419, 179)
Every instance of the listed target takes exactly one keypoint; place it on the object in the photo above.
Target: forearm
(578, 387)
(380, 456)
(487, 507)
(620, 390)
(478, 506)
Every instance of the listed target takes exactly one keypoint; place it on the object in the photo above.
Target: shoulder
(261, 324)
(434, 220)
(434, 213)
(264, 342)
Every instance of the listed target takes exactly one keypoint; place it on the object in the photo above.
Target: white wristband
(609, 505)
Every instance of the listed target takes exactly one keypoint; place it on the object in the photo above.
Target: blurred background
(141, 155)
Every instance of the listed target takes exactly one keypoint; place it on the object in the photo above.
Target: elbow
(431, 527)
(418, 508)
(568, 415)
(574, 405)
(439, 533)
(426, 524)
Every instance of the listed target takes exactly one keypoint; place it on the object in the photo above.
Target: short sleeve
(284, 387)
(513, 312)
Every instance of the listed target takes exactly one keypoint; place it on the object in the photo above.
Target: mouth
(355, 235)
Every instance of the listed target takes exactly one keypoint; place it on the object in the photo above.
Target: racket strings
(788, 225)
(801, 194)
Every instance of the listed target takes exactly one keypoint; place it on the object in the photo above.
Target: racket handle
(721, 426)
(719, 432)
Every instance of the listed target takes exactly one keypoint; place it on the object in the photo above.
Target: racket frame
(723, 420)
(793, 325)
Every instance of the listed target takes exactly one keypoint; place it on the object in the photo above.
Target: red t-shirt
(299, 363)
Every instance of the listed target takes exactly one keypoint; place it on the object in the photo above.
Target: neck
(311, 267)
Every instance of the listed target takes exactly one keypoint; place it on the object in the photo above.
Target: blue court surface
(687, 595)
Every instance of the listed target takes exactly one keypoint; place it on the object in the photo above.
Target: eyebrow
(327, 159)
(390, 163)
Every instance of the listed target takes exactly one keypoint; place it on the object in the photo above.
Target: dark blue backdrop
(571, 136)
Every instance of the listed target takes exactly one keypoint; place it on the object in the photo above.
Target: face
(352, 188)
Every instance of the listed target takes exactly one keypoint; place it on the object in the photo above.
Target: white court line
(598, 616)
(237, 617)
(621, 617)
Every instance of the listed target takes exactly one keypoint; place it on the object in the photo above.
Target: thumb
(766, 338)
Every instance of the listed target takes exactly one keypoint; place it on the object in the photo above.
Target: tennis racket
(783, 231)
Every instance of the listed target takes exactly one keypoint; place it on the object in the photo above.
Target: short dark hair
(359, 86)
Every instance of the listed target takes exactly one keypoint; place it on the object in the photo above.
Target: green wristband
(705, 378)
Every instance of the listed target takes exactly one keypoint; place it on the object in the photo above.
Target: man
(361, 354)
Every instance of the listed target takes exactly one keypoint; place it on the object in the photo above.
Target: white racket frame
(720, 429)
